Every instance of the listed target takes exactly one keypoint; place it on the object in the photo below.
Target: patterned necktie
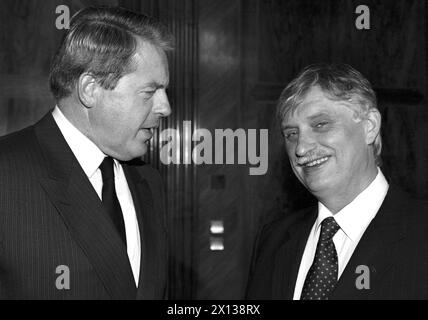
(109, 197)
(322, 276)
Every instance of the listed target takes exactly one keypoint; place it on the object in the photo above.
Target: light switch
(217, 231)
(216, 244)
(217, 227)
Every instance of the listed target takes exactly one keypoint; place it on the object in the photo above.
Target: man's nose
(162, 106)
(305, 144)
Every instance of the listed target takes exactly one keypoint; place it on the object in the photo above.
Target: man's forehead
(294, 117)
(308, 110)
(150, 53)
(314, 109)
(152, 65)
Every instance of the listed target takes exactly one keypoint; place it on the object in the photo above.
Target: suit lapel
(81, 210)
(290, 256)
(375, 250)
(149, 226)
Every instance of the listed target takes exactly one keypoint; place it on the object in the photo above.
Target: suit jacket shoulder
(285, 235)
(18, 145)
(275, 233)
(405, 204)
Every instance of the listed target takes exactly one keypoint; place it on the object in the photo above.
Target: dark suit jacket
(50, 215)
(394, 248)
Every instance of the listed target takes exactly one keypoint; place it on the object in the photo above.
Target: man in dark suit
(81, 217)
(365, 239)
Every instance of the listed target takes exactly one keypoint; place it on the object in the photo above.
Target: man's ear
(87, 89)
(373, 123)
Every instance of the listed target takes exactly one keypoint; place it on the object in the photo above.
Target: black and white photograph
(213, 154)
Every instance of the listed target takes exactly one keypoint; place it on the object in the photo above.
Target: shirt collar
(86, 152)
(354, 218)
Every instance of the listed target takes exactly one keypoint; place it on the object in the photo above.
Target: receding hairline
(140, 51)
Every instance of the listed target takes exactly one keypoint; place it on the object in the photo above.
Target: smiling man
(365, 239)
(81, 215)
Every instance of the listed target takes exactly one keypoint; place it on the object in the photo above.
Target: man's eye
(291, 135)
(321, 124)
(149, 91)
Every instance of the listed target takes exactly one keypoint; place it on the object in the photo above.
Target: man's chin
(134, 153)
(317, 189)
(139, 152)
(318, 184)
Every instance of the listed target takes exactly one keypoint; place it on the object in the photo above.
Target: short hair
(340, 82)
(102, 41)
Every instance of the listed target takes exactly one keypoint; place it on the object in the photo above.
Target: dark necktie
(109, 198)
(322, 276)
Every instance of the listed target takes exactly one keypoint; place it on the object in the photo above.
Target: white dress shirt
(90, 158)
(353, 221)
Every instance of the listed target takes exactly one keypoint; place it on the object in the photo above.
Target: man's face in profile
(326, 145)
(123, 119)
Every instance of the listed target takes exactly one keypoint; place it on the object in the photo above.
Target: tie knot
(329, 227)
(106, 168)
